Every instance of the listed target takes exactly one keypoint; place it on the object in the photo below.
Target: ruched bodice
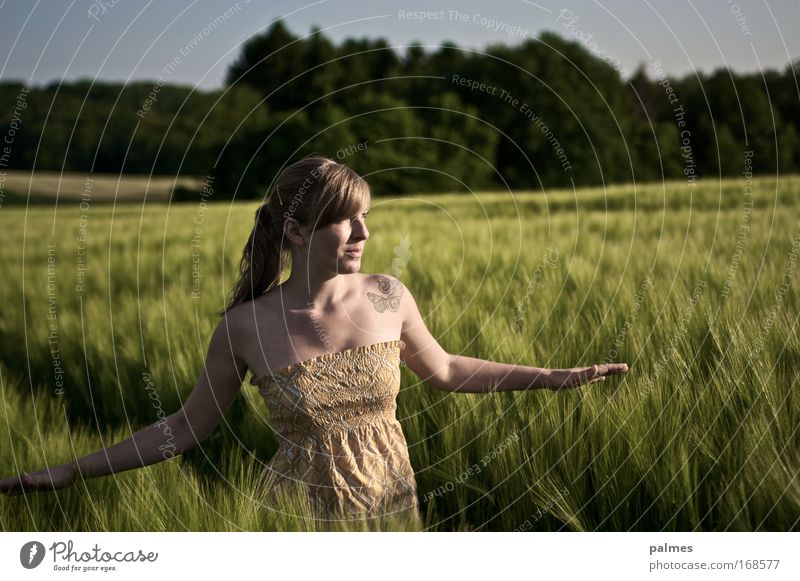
(335, 418)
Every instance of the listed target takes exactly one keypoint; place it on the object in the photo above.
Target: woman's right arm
(213, 394)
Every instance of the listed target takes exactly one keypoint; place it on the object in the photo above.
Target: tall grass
(683, 285)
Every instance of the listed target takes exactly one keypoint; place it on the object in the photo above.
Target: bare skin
(325, 306)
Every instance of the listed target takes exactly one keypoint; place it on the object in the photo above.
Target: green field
(20, 187)
(694, 287)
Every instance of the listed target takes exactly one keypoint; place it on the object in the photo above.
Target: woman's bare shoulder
(384, 291)
(245, 315)
(382, 282)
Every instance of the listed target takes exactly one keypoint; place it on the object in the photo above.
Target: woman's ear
(293, 232)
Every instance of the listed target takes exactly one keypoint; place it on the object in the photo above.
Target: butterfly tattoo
(393, 291)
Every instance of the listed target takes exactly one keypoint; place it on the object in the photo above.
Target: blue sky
(122, 40)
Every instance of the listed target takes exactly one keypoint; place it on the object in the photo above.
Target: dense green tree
(274, 63)
(542, 113)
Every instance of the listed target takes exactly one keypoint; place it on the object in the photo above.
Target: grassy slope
(703, 434)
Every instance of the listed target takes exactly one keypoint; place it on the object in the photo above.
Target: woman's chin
(350, 266)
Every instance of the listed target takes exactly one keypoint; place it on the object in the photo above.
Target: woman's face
(338, 247)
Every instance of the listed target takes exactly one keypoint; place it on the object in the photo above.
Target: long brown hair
(314, 191)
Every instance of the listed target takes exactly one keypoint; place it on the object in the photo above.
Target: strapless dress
(335, 418)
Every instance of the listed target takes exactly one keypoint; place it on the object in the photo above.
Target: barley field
(693, 285)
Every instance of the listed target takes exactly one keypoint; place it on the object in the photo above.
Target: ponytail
(263, 260)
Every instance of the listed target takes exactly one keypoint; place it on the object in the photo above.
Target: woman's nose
(360, 229)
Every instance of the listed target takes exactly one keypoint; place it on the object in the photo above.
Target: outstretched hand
(570, 378)
(41, 481)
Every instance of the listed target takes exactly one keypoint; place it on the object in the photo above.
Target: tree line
(542, 113)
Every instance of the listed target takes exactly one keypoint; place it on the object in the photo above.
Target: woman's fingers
(15, 490)
(27, 482)
(12, 485)
(597, 373)
(611, 368)
(577, 376)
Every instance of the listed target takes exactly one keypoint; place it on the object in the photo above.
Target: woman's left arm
(471, 375)
(441, 370)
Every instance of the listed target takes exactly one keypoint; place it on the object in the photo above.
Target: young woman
(324, 348)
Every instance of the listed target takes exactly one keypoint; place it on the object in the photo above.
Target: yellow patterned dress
(334, 416)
